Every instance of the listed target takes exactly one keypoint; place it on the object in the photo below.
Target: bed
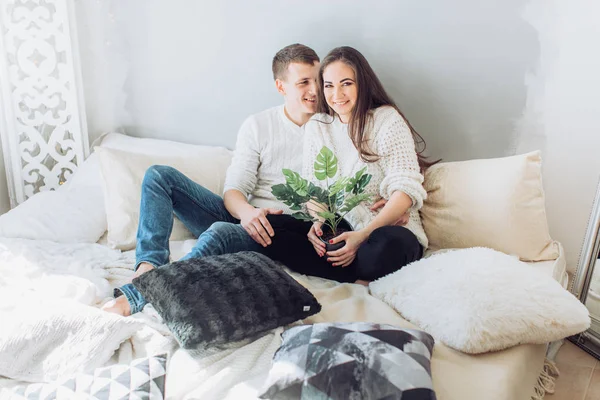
(87, 273)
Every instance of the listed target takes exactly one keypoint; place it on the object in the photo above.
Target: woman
(363, 127)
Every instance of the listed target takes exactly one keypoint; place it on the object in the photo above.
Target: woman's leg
(387, 249)
(291, 247)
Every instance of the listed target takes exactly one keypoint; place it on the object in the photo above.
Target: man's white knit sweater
(267, 142)
(390, 138)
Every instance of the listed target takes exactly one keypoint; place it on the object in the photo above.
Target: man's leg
(219, 238)
(223, 238)
(166, 191)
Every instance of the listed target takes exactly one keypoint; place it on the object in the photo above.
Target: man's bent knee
(224, 228)
(158, 173)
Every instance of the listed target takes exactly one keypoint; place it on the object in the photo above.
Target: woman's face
(339, 88)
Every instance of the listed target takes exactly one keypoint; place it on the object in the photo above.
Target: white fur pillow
(478, 300)
(497, 203)
(43, 340)
(123, 173)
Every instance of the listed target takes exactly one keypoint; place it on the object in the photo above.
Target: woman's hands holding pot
(344, 256)
(313, 237)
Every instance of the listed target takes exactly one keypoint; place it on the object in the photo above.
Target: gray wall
(562, 114)
(478, 79)
(193, 70)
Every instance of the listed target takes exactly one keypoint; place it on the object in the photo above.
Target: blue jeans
(167, 192)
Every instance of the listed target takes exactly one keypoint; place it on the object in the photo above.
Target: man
(267, 142)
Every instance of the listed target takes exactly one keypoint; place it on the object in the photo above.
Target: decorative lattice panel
(44, 134)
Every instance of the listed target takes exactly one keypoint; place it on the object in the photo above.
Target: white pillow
(87, 175)
(42, 340)
(478, 300)
(123, 173)
(157, 147)
(497, 203)
(73, 215)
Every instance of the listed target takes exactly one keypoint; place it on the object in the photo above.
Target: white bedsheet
(86, 273)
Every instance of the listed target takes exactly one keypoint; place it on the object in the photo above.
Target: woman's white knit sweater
(390, 138)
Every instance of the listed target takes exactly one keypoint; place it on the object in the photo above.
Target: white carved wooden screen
(43, 125)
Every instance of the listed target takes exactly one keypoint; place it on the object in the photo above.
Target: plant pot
(328, 235)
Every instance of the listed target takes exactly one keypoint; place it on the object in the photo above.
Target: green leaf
(287, 195)
(352, 181)
(360, 173)
(326, 164)
(338, 186)
(328, 215)
(353, 201)
(296, 182)
(357, 184)
(302, 216)
(280, 191)
(362, 183)
(337, 200)
(317, 193)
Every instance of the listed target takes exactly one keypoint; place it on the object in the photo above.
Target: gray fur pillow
(220, 299)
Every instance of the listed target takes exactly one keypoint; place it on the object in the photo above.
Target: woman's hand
(344, 256)
(313, 237)
(403, 220)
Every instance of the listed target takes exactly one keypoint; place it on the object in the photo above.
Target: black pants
(387, 249)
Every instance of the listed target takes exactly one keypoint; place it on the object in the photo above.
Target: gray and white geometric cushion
(358, 360)
(142, 379)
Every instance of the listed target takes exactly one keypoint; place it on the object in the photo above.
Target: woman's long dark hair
(370, 95)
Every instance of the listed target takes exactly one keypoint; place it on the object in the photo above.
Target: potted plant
(332, 203)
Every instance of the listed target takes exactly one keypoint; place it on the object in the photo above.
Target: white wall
(562, 116)
(477, 78)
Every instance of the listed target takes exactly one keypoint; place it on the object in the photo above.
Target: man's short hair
(294, 53)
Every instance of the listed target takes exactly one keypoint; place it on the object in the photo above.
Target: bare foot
(119, 306)
(142, 269)
(360, 282)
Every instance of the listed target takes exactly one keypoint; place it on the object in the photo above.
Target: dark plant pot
(328, 235)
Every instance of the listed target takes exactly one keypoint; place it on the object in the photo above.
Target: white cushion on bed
(497, 203)
(44, 340)
(87, 175)
(479, 300)
(157, 147)
(73, 215)
(123, 173)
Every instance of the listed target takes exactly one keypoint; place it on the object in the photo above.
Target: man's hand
(256, 224)
(403, 219)
(313, 237)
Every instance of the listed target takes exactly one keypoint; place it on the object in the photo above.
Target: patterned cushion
(351, 361)
(212, 301)
(143, 378)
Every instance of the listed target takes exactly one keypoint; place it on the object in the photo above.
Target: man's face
(299, 88)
